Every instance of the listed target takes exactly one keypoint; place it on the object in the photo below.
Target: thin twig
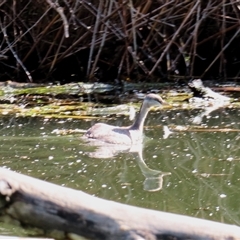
(59, 9)
(14, 53)
(56, 54)
(95, 31)
(174, 37)
(103, 40)
(41, 35)
(133, 28)
(223, 27)
(222, 50)
(137, 61)
(195, 37)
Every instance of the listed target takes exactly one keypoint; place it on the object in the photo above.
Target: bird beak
(166, 104)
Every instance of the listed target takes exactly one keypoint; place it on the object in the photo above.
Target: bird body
(111, 134)
(125, 135)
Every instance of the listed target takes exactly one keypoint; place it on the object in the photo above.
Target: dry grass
(71, 40)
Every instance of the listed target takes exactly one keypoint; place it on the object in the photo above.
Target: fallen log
(47, 206)
(22, 238)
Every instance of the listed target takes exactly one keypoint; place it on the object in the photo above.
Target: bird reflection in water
(153, 178)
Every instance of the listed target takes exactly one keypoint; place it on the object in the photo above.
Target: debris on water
(132, 113)
(166, 132)
(67, 131)
(230, 159)
(222, 195)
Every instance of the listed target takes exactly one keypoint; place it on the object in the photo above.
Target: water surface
(194, 173)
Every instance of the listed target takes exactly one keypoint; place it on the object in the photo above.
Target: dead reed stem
(117, 39)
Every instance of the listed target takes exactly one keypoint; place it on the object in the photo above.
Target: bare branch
(59, 9)
(14, 53)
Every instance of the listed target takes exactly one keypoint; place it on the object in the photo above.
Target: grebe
(126, 135)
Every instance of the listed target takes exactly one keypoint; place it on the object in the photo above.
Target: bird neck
(140, 119)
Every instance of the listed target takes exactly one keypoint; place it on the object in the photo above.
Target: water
(192, 172)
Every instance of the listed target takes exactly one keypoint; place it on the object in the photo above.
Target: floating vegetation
(82, 101)
(195, 128)
(207, 175)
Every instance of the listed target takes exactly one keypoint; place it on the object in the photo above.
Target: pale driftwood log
(47, 206)
(22, 238)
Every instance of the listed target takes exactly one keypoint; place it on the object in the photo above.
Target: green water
(204, 166)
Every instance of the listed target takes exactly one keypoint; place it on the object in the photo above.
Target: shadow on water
(204, 165)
